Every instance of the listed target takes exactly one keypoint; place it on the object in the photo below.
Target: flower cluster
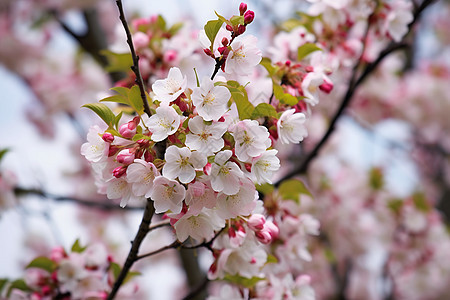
(82, 273)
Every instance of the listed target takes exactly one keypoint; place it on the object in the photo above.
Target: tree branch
(135, 66)
(353, 85)
(133, 254)
(20, 191)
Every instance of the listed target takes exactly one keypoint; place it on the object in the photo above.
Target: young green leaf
(135, 99)
(265, 188)
(237, 20)
(3, 152)
(284, 98)
(103, 112)
(240, 97)
(306, 49)
(117, 62)
(211, 29)
(267, 64)
(18, 284)
(43, 263)
(291, 189)
(76, 247)
(117, 99)
(264, 110)
(242, 281)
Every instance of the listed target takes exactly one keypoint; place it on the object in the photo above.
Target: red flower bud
(229, 27)
(241, 29)
(242, 8)
(248, 17)
(225, 42)
(208, 52)
(108, 137)
(119, 171)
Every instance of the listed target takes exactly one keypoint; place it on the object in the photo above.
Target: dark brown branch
(198, 290)
(133, 254)
(20, 191)
(353, 85)
(135, 66)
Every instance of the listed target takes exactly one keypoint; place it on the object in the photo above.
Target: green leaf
(3, 282)
(271, 259)
(161, 23)
(221, 18)
(237, 20)
(135, 99)
(116, 99)
(196, 78)
(3, 152)
(265, 188)
(175, 28)
(103, 112)
(121, 90)
(18, 284)
(130, 275)
(242, 281)
(43, 263)
(376, 179)
(291, 189)
(115, 268)
(211, 29)
(395, 205)
(117, 62)
(420, 201)
(76, 247)
(240, 97)
(306, 49)
(267, 64)
(117, 120)
(264, 110)
(284, 98)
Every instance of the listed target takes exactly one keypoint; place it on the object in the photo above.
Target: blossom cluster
(81, 273)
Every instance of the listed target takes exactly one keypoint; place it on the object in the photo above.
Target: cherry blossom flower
(227, 292)
(241, 203)
(169, 89)
(167, 194)
(96, 149)
(119, 188)
(264, 166)
(181, 163)
(141, 175)
(291, 128)
(200, 195)
(210, 101)
(251, 139)
(243, 57)
(310, 87)
(225, 175)
(164, 123)
(199, 226)
(206, 139)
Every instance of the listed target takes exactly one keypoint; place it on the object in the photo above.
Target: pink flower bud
(119, 171)
(229, 27)
(46, 290)
(272, 229)
(263, 236)
(57, 254)
(125, 157)
(128, 130)
(248, 167)
(108, 137)
(113, 150)
(148, 156)
(242, 8)
(231, 232)
(208, 52)
(140, 40)
(248, 17)
(225, 42)
(326, 87)
(309, 69)
(256, 222)
(170, 55)
(241, 29)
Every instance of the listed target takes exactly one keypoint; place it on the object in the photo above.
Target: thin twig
(133, 254)
(302, 168)
(175, 244)
(20, 191)
(135, 66)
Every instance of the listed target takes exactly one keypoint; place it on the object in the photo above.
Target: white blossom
(251, 139)
(291, 128)
(210, 101)
(96, 149)
(169, 89)
(206, 139)
(181, 163)
(200, 226)
(225, 175)
(240, 204)
(243, 57)
(264, 166)
(310, 87)
(120, 188)
(164, 123)
(141, 175)
(167, 194)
